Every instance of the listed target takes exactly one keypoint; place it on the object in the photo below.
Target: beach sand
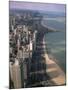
(54, 71)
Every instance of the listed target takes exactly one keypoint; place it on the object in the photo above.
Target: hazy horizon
(50, 7)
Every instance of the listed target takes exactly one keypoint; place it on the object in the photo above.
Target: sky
(37, 6)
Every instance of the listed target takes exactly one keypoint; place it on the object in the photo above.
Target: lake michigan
(56, 41)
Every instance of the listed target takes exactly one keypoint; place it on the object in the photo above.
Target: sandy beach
(54, 71)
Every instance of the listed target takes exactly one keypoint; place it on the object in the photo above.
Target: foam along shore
(54, 71)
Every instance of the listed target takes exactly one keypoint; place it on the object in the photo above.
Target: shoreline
(49, 27)
(54, 71)
(58, 63)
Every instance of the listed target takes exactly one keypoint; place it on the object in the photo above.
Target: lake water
(56, 40)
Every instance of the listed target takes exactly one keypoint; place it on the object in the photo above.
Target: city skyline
(37, 44)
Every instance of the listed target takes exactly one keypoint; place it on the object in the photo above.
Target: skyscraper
(15, 74)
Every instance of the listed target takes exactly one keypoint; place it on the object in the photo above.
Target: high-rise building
(34, 39)
(15, 73)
